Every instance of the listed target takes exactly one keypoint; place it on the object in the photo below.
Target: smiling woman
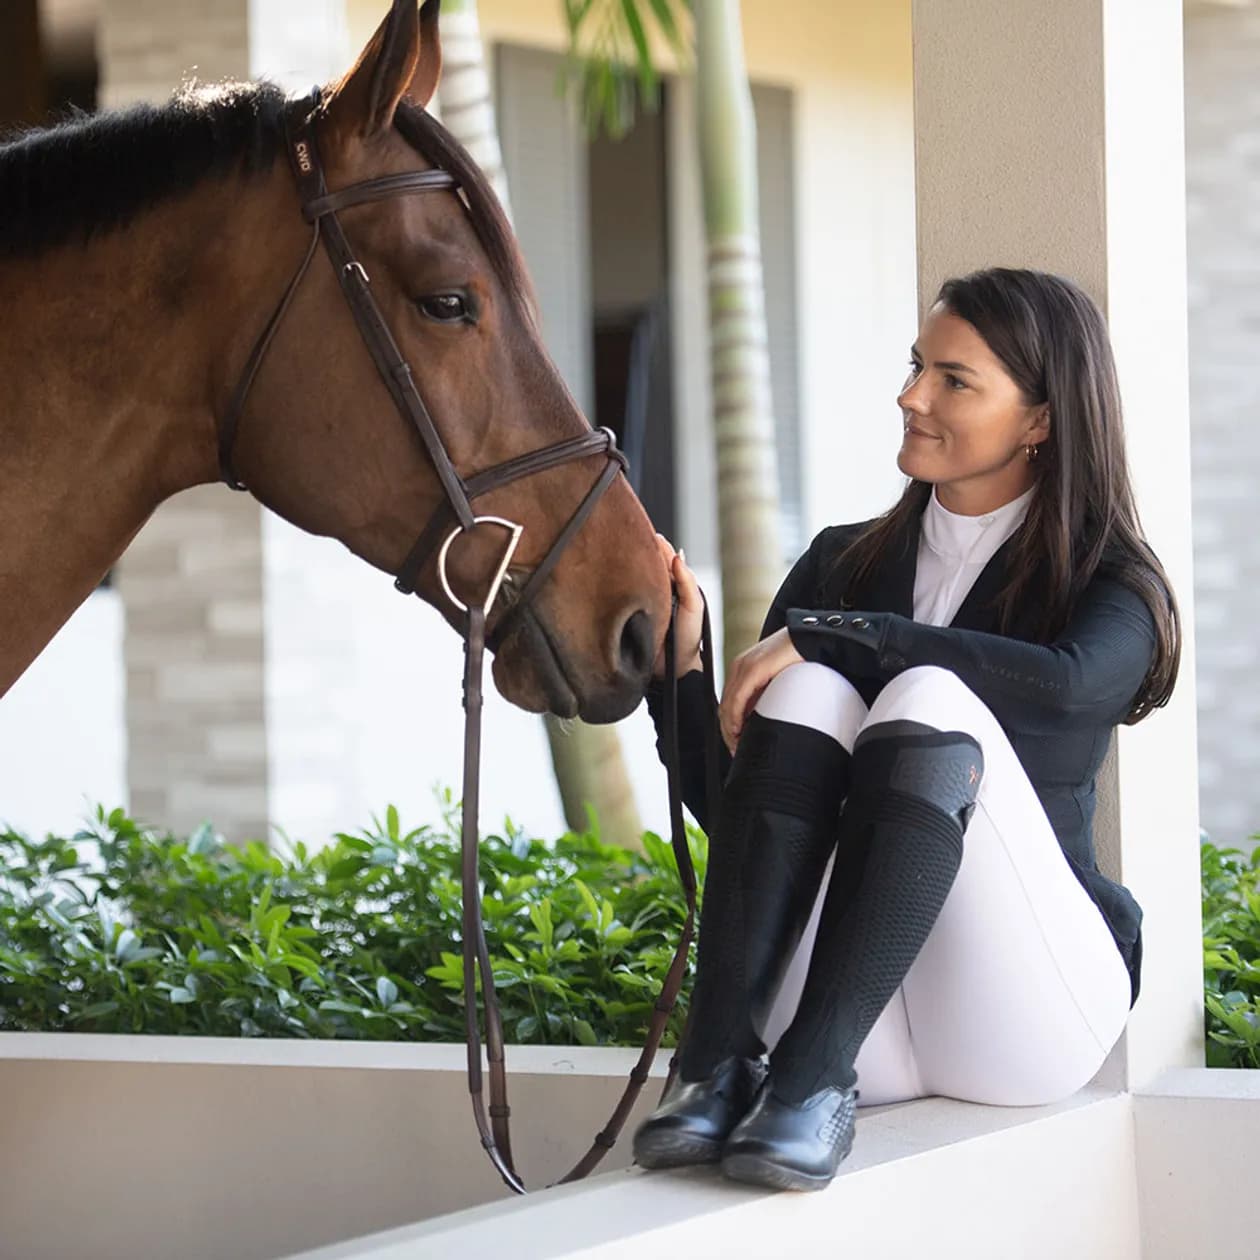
(964, 415)
(915, 743)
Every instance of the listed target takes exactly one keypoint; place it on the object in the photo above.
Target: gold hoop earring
(1030, 452)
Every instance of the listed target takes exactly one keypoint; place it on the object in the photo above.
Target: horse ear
(428, 71)
(403, 58)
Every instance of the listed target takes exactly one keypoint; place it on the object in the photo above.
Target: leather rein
(454, 516)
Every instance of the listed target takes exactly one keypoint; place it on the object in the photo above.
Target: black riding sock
(775, 830)
(913, 792)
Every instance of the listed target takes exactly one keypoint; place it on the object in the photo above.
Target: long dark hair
(1052, 340)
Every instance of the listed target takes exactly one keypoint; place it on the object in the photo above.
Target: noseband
(455, 516)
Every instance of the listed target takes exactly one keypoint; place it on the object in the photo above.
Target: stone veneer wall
(1223, 192)
(191, 582)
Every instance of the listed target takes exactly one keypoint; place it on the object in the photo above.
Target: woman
(921, 725)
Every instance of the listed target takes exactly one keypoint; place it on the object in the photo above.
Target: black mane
(96, 172)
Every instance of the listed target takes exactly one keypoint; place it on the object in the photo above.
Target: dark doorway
(630, 332)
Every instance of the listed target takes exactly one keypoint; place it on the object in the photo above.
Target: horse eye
(446, 308)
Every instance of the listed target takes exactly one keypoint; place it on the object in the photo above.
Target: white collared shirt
(953, 551)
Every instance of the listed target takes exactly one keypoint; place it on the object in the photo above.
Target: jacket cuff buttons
(835, 621)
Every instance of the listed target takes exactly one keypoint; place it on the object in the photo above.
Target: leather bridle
(454, 516)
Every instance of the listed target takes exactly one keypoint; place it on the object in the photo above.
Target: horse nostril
(635, 659)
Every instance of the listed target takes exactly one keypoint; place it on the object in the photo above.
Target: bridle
(454, 516)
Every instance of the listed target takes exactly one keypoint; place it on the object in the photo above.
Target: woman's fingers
(739, 695)
(732, 720)
(690, 615)
(751, 673)
(688, 588)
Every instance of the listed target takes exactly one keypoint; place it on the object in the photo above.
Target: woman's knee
(815, 696)
(935, 697)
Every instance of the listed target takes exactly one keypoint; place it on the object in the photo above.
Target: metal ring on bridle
(514, 537)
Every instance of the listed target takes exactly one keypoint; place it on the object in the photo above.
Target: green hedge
(1231, 955)
(166, 935)
(121, 929)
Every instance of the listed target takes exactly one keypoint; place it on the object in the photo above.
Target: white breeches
(1019, 992)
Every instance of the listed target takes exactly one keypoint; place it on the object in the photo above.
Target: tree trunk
(590, 769)
(588, 761)
(747, 476)
(464, 93)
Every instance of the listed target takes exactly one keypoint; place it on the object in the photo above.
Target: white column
(1050, 136)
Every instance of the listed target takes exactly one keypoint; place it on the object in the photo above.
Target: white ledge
(1222, 1084)
(394, 1056)
(667, 1214)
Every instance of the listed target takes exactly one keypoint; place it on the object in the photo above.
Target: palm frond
(610, 65)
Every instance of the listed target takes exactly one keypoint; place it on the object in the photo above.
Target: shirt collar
(956, 537)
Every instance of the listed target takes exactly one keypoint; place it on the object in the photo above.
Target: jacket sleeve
(1088, 676)
(799, 589)
(697, 722)
(697, 709)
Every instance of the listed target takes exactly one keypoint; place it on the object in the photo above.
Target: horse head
(321, 438)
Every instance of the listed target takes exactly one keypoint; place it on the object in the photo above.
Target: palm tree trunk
(464, 93)
(588, 762)
(748, 498)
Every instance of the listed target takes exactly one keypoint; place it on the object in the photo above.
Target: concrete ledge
(221, 1149)
(392, 1056)
(933, 1177)
(1198, 1137)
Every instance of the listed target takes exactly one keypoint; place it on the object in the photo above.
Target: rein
(454, 516)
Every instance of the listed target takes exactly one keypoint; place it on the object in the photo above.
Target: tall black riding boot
(775, 830)
(913, 792)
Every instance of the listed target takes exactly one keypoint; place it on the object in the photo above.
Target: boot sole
(676, 1150)
(755, 1170)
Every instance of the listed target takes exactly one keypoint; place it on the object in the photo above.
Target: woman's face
(966, 424)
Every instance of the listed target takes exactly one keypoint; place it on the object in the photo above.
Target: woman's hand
(690, 616)
(751, 673)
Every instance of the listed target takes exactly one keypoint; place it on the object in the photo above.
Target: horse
(141, 256)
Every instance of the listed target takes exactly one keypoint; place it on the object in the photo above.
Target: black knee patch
(787, 768)
(941, 768)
